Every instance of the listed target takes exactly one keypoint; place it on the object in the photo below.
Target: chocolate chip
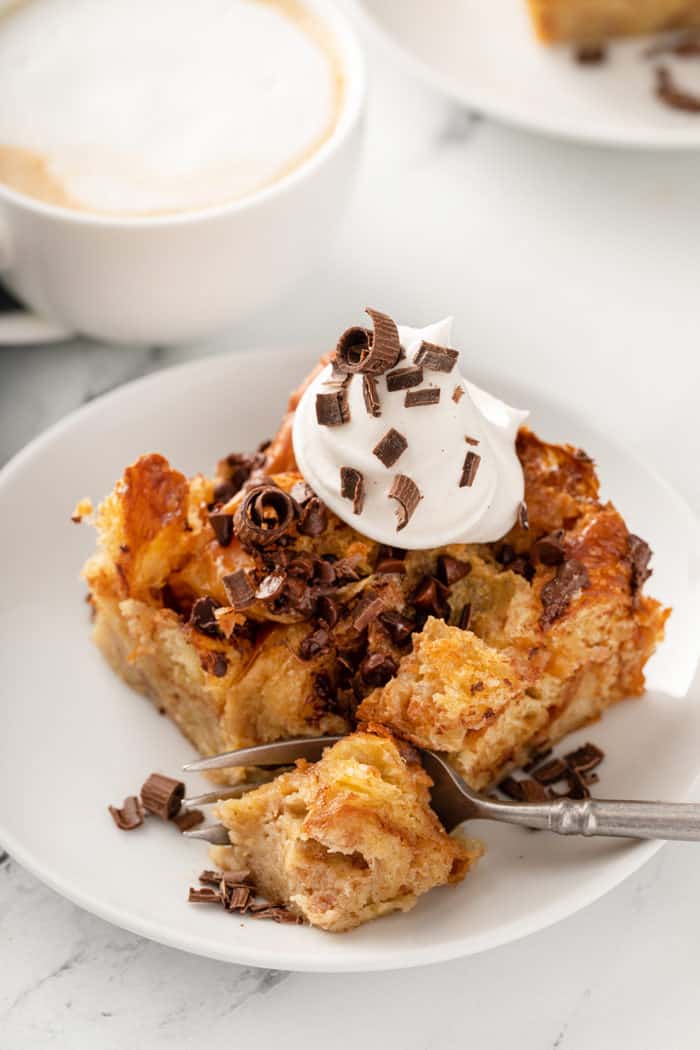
(352, 486)
(202, 617)
(162, 796)
(222, 524)
(556, 596)
(370, 393)
(400, 627)
(390, 448)
(436, 358)
(523, 518)
(129, 815)
(672, 95)
(469, 469)
(403, 378)
(465, 617)
(332, 410)
(427, 395)
(550, 549)
(431, 598)
(371, 353)
(377, 668)
(639, 556)
(450, 569)
(265, 516)
(387, 565)
(457, 394)
(315, 644)
(188, 819)
(407, 494)
(585, 758)
(214, 663)
(367, 610)
(239, 590)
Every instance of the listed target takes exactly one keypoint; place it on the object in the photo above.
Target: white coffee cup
(185, 276)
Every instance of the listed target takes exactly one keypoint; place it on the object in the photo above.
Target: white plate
(74, 738)
(484, 53)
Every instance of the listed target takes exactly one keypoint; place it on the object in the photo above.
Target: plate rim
(660, 142)
(617, 869)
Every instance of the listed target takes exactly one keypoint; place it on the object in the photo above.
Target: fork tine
(216, 834)
(280, 753)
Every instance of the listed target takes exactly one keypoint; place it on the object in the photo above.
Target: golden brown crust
(594, 21)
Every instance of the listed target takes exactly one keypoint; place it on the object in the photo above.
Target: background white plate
(484, 53)
(73, 738)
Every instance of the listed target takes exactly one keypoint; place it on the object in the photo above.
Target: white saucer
(484, 54)
(74, 738)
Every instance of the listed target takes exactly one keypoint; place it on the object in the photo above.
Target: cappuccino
(140, 107)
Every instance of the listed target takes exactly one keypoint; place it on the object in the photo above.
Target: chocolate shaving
(371, 353)
(377, 668)
(203, 895)
(352, 486)
(556, 596)
(427, 395)
(585, 758)
(639, 556)
(469, 469)
(390, 448)
(264, 516)
(239, 898)
(301, 493)
(590, 54)
(450, 569)
(270, 587)
(332, 410)
(188, 819)
(162, 796)
(222, 524)
(551, 771)
(465, 617)
(367, 611)
(574, 788)
(236, 469)
(407, 494)
(370, 393)
(549, 549)
(314, 518)
(403, 378)
(239, 590)
(523, 518)
(436, 358)
(326, 611)
(130, 815)
(669, 92)
(470, 440)
(387, 565)
(457, 394)
(202, 617)
(685, 45)
(277, 914)
(400, 627)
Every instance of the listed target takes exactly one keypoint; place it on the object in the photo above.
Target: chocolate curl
(264, 516)
(371, 353)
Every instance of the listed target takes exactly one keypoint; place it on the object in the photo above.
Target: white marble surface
(579, 268)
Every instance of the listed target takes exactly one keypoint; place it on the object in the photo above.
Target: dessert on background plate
(405, 554)
(595, 21)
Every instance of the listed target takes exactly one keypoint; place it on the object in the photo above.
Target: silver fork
(454, 801)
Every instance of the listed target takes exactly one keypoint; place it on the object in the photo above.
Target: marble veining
(578, 266)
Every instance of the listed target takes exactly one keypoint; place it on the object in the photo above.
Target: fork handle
(637, 820)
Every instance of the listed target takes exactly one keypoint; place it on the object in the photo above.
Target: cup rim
(355, 90)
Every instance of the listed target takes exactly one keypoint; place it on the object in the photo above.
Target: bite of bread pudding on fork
(405, 555)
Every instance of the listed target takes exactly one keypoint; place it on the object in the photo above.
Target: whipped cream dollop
(456, 447)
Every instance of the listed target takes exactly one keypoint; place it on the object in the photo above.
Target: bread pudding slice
(249, 612)
(594, 21)
(346, 839)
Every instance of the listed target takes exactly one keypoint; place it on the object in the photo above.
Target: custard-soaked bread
(347, 839)
(593, 21)
(249, 612)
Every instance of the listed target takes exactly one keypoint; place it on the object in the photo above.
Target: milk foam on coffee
(142, 106)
